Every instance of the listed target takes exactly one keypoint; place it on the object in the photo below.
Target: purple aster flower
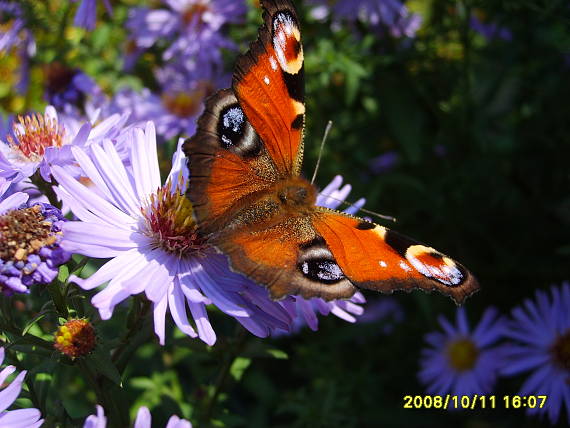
(148, 230)
(29, 245)
(462, 361)
(20, 418)
(41, 141)
(384, 163)
(175, 109)
(143, 420)
(540, 330)
(489, 30)
(15, 35)
(86, 14)
(385, 309)
(391, 15)
(191, 28)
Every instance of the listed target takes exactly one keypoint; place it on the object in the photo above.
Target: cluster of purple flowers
(536, 339)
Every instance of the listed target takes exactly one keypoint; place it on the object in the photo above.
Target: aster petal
(308, 314)
(161, 276)
(130, 260)
(101, 208)
(13, 201)
(159, 315)
(99, 421)
(213, 291)
(6, 371)
(177, 303)
(176, 422)
(524, 359)
(205, 330)
(462, 323)
(99, 235)
(355, 207)
(145, 161)
(9, 394)
(91, 171)
(106, 300)
(342, 314)
(144, 419)
(115, 176)
(21, 418)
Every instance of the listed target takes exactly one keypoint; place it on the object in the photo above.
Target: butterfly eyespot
(325, 271)
(236, 134)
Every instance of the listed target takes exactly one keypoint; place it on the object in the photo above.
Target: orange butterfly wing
(374, 257)
(270, 86)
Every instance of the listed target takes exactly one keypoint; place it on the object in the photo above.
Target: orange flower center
(34, 134)
(75, 338)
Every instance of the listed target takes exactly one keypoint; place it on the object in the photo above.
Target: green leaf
(239, 366)
(63, 273)
(100, 360)
(278, 354)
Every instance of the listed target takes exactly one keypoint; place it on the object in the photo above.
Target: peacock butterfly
(251, 202)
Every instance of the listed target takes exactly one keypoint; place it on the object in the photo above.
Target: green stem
(136, 335)
(223, 374)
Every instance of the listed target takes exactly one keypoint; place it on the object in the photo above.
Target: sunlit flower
(86, 15)
(191, 28)
(20, 418)
(39, 141)
(148, 230)
(143, 420)
(540, 330)
(75, 338)
(461, 361)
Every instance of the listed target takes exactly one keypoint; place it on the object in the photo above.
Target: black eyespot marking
(321, 270)
(298, 122)
(231, 125)
(365, 225)
(236, 134)
(295, 84)
(317, 263)
(398, 242)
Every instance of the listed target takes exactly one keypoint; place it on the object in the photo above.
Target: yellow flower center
(170, 222)
(462, 354)
(34, 134)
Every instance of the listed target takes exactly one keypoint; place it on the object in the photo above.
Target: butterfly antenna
(364, 210)
(326, 134)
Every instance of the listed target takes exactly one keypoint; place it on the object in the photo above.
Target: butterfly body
(251, 202)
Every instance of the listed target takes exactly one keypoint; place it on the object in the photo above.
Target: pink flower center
(462, 354)
(34, 134)
(170, 223)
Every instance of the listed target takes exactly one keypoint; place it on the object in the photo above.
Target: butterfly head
(296, 193)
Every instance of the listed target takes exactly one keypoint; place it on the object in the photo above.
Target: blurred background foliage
(462, 136)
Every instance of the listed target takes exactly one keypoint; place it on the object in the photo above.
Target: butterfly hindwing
(269, 83)
(374, 257)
